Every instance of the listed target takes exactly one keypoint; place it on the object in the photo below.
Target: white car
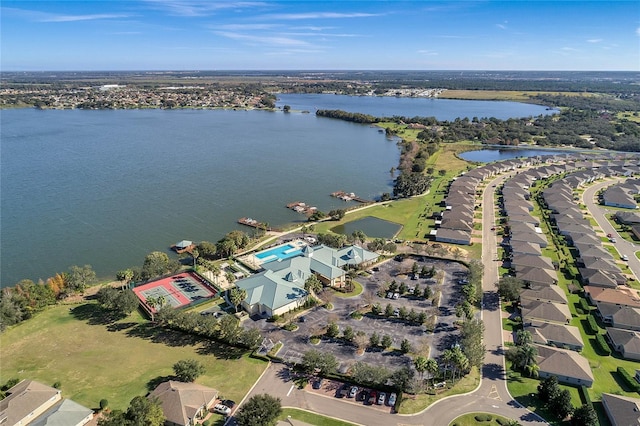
(625, 257)
(222, 409)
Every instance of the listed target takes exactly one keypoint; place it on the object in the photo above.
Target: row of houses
(622, 194)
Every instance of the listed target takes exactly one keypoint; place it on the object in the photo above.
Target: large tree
(509, 288)
(155, 264)
(584, 415)
(324, 362)
(188, 370)
(259, 410)
(80, 278)
(236, 296)
(141, 412)
(122, 302)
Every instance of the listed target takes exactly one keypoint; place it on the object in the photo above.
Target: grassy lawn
(357, 289)
(311, 418)
(469, 420)
(94, 358)
(525, 389)
(414, 404)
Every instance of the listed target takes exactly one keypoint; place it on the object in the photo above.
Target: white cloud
(262, 40)
(638, 31)
(502, 26)
(201, 8)
(594, 40)
(75, 18)
(318, 15)
(427, 52)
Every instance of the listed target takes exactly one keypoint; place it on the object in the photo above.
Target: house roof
(546, 311)
(531, 260)
(628, 339)
(24, 398)
(546, 332)
(618, 296)
(67, 412)
(453, 234)
(599, 278)
(537, 275)
(551, 293)
(622, 410)
(274, 289)
(563, 362)
(350, 255)
(182, 401)
(525, 247)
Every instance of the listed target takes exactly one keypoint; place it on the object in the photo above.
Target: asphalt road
(598, 213)
(491, 396)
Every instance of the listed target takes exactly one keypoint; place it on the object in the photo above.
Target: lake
(107, 187)
(489, 155)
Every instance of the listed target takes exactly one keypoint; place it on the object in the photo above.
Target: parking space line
(291, 389)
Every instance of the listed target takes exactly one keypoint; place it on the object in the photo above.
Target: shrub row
(628, 379)
(480, 418)
(593, 325)
(604, 346)
(584, 393)
(584, 305)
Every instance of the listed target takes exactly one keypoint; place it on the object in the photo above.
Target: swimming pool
(281, 252)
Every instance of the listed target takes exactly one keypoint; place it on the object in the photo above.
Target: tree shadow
(156, 381)
(220, 350)
(94, 314)
(158, 334)
(120, 326)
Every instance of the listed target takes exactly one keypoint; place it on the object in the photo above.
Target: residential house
(566, 365)
(26, 401)
(184, 404)
(545, 293)
(626, 342)
(453, 236)
(621, 410)
(67, 413)
(558, 335)
(535, 310)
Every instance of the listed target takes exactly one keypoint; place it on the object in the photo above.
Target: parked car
(396, 296)
(392, 400)
(363, 396)
(613, 240)
(396, 312)
(353, 392)
(381, 397)
(229, 403)
(389, 295)
(221, 409)
(625, 257)
(373, 397)
(317, 384)
(342, 391)
(609, 235)
(302, 319)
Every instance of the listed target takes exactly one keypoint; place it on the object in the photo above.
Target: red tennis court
(177, 290)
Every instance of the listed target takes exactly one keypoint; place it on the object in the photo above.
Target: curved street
(623, 246)
(491, 396)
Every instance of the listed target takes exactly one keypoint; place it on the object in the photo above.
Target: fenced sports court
(178, 291)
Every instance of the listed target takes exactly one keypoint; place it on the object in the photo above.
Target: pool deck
(256, 263)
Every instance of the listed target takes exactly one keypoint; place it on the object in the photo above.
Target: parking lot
(296, 343)
(361, 396)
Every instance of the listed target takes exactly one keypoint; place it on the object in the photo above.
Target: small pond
(371, 226)
(489, 155)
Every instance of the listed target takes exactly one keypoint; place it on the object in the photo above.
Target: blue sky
(313, 35)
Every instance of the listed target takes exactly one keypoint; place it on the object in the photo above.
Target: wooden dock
(350, 196)
(254, 223)
(300, 207)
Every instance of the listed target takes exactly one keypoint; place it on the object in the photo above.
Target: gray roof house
(598, 278)
(621, 410)
(559, 335)
(183, 404)
(453, 236)
(535, 276)
(67, 413)
(544, 293)
(615, 196)
(628, 218)
(532, 261)
(26, 401)
(626, 342)
(568, 366)
(535, 310)
(525, 247)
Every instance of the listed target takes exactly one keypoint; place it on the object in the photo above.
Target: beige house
(568, 366)
(26, 401)
(183, 404)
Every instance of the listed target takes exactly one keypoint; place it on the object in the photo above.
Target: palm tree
(532, 370)
(447, 360)
(524, 337)
(432, 368)
(460, 360)
(195, 254)
(526, 356)
(420, 363)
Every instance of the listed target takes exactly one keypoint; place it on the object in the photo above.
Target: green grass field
(94, 358)
(469, 420)
(311, 418)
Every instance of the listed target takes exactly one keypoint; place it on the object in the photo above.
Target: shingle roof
(622, 410)
(563, 362)
(537, 310)
(545, 332)
(181, 401)
(24, 398)
(68, 412)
